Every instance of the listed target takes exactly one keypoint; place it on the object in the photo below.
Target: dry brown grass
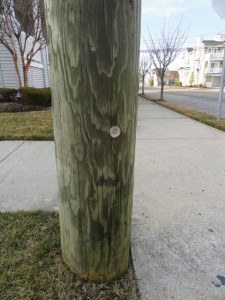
(191, 113)
(36, 125)
(31, 265)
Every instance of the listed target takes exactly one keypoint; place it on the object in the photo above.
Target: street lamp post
(219, 7)
(219, 105)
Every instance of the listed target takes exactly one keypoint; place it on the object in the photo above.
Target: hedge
(178, 83)
(7, 94)
(35, 96)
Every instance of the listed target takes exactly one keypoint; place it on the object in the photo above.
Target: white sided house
(202, 66)
(38, 74)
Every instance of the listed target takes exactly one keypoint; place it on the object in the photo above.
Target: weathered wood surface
(94, 60)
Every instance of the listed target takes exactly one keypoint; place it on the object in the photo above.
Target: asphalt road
(201, 99)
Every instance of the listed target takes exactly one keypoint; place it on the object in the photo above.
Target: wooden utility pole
(94, 62)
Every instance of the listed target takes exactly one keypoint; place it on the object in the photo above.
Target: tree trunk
(162, 87)
(26, 66)
(25, 76)
(94, 62)
(143, 85)
(15, 61)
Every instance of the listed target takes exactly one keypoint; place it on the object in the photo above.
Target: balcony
(214, 56)
(214, 70)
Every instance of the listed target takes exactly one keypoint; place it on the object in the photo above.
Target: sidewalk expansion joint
(12, 152)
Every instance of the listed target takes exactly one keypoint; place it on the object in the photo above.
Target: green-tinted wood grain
(94, 54)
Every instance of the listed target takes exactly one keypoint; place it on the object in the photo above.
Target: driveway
(201, 99)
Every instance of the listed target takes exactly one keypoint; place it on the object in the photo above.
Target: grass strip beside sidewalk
(32, 268)
(33, 126)
(190, 112)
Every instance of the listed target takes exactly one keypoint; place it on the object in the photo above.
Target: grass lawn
(191, 113)
(31, 265)
(36, 125)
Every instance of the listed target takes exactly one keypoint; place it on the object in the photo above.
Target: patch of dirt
(18, 106)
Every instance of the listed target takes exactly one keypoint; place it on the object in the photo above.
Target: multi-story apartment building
(202, 66)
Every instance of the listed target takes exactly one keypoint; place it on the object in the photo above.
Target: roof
(169, 74)
(184, 68)
(212, 43)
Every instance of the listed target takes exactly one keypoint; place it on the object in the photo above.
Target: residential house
(202, 66)
(38, 74)
(185, 71)
(169, 79)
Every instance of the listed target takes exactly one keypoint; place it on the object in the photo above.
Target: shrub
(7, 94)
(178, 83)
(151, 82)
(35, 96)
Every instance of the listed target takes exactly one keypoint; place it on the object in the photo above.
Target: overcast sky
(197, 15)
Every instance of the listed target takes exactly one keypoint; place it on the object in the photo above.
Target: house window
(215, 50)
(215, 65)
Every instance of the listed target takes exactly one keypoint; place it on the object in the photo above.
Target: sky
(198, 19)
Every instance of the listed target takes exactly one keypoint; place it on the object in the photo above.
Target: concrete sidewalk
(178, 240)
(27, 176)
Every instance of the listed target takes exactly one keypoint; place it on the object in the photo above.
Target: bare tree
(21, 32)
(164, 48)
(144, 70)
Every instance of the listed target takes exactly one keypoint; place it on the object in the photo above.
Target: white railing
(214, 70)
(214, 56)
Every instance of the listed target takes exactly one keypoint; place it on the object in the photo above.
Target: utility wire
(188, 36)
(185, 49)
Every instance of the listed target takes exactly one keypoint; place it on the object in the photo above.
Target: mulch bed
(18, 106)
